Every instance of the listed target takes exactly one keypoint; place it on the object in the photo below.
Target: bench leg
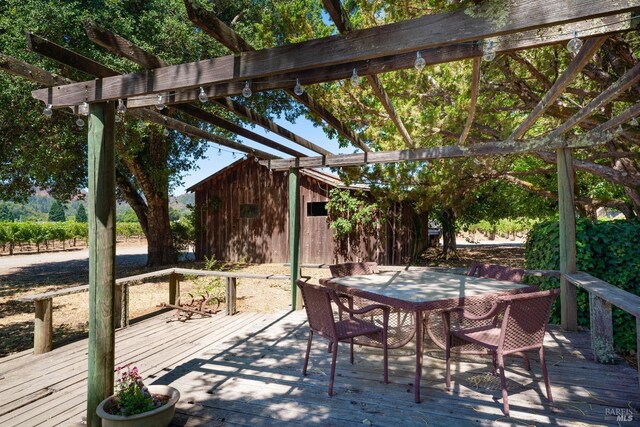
(43, 327)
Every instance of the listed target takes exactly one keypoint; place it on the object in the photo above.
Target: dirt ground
(53, 271)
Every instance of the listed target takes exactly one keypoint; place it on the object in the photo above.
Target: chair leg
(385, 356)
(351, 348)
(503, 382)
(545, 374)
(306, 357)
(334, 356)
(494, 362)
(447, 361)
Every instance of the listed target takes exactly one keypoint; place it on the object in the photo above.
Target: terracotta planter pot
(159, 417)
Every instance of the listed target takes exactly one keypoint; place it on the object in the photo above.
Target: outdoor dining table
(420, 292)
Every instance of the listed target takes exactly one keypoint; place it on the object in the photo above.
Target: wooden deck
(245, 370)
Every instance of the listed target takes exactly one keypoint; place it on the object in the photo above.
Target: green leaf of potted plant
(135, 404)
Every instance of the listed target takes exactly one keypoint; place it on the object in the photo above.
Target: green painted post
(568, 302)
(294, 235)
(102, 252)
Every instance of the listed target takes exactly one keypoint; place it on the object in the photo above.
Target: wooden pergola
(441, 38)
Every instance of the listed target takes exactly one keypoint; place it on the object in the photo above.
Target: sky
(214, 161)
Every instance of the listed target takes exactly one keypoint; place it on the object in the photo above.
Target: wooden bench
(43, 326)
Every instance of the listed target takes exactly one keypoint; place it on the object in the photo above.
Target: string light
(219, 151)
(489, 52)
(298, 89)
(83, 109)
(634, 122)
(246, 92)
(619, 129)
(420, 62)
(118, 118)
(48, 110)
(202, 96)
(160, 103)
(121, 109)
(165, 132)
(574, 44)
(355, 79)
(233, 154)
(80, 122)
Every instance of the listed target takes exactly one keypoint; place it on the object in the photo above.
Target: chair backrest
(525, 319)
(498, 272)
(353, 269)
(317, 303)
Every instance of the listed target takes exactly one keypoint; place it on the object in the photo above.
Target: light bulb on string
(233, 154)
(202, 96)
(298, 89)
(270, 172)
(219, 151)
(355, 79)
(160, 103)
(118, 118)
(165, 132)
(255, 159)
(80, 122)
(83, 109)
(619, 129)
(246, 91)
(574, 44)
(420, 62)
(634, 122)
(489, 53)
(121, 109)
(48, 110)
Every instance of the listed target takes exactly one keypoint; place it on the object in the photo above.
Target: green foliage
(608, 250)
(183, 234)
(5, 213)
(351, 212)
(81, 214)
(128, 215)
(56, 213)
(128, 229)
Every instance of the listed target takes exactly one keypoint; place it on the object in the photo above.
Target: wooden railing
(43, 326)
(602, 296)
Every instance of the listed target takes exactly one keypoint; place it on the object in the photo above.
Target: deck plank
(245, 370)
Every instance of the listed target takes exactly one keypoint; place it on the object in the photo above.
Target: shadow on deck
(245, 370)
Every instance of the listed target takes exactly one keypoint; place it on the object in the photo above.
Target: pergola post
(294, 235)
(102, 209)
(568, 301)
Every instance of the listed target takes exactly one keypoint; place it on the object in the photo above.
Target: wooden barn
(243, 215)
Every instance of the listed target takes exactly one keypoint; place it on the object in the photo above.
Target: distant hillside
(38, 205)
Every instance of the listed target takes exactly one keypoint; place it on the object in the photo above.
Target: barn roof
(327, 178)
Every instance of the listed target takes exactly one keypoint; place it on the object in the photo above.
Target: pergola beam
(122, 47)
(450, 151)
(583, 57)
(401, 37)
(341, 20)
(226, 36)
(622, 84)
(525, 40)
(475, 86)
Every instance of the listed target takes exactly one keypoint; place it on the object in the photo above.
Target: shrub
(608, 250)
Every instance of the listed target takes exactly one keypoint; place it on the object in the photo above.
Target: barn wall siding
(223, 234)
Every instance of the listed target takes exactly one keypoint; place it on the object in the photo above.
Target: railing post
(638, 345)
(294, 236)
(117, 306)
(231, 296)
(601, 329)
(43, 328)
(174, 288)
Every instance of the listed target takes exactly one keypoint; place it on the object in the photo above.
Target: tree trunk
(160, 250)
(448, 221)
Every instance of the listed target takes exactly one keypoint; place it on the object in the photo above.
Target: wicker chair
(402, 326)
(317, 303)
(522, 327)
(435, 327)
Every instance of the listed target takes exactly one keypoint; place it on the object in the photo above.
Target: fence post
(174, 288)
(601, 329)
(43, 328)
(231, 296)
(118, 303)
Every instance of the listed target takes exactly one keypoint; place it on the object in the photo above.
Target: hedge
(608, 250)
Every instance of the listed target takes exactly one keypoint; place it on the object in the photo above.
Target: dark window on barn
(249, 211)
(317, 209)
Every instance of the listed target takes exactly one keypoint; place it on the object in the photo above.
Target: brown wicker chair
(401, 324)
(435, 327)
(522, 327)
(317, 303)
